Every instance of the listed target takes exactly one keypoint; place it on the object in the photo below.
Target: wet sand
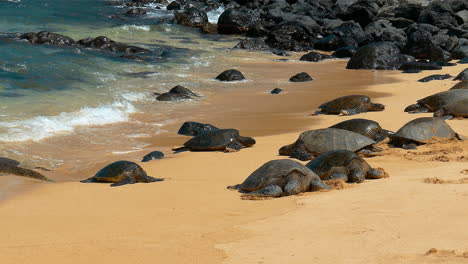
(191, 217)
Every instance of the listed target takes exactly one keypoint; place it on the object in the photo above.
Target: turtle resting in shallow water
(436, 101)
(314, 142)
(345, 165)
(227, 140)
(365, 127)
(9, 166)
(121, 173)
(421, 131)
(350, 105)
(457, 109)
(280, 178)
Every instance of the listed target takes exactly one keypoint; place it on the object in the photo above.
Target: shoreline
(192, 217)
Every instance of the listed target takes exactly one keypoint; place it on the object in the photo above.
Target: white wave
(135, 97)
(136, 27)
(213, 15)
(42, 127)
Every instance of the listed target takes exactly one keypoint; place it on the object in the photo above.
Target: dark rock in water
(435, 77)
(345, 52)
(412, 71)
(314, 56)
(237, 21)
(209, 28)
(252, 44)
(230, 75)
(132, 57)
(380, 56)
(191, 17)
(425, 66)
(105, 43)
(136, 12)
(153, 155)
(276, 91)
(291, 36)
(328, 43)
(45, 37)
(301, 77)
(463, 61)
(462, 76)
(121, 173)
(178, 93)
(174, 5)
(191, 128)
(9, 166)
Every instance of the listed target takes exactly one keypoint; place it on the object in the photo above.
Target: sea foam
(213, 15)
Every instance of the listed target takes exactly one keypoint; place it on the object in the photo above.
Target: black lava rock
(301, 77)
(230, 75)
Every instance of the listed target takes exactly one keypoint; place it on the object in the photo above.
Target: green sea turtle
(350, 105)
(436, 101)
(280, 178)
(222, 139)
(314, 142)
(191, 128)
(343, 164)
(121, 173)
(457, 109)
(421, 131)
(9, 166)
(365, 127)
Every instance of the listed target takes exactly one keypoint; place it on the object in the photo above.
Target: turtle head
(377, 107)
(285, 150)
(416, 108)
(247, 141)
(439, 113)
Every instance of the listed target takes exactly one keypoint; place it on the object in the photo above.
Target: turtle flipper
(30, 174)
(317, 185)
(338, 176)
(269, 191)
(149, 179)
(233, 147)
(126, 180)
(409, 146)
(375, 174)
(180, 149)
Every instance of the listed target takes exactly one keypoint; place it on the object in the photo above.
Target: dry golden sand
(192, 218)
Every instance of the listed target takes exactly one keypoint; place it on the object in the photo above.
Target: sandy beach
(192, 218)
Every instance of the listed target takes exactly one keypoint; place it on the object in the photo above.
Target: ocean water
(89, 95)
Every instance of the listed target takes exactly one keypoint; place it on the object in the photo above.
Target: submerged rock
(153, 155)
(276, 91)
(301, 77)
(45, 37)
(230, 75)
(178, 93)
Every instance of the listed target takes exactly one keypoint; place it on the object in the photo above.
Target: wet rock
(45, 37)
(460, 53)
(345, 52)
(435, 77)
(330, 42)
(175, 5)
(105, 43)
(209, 28)
(237, 21)
(276, 91)
(230, 75)
(462, 76)
(252, 44)
(380, 56)
(153, 155)
(423, 66)
(136, 12)
(194, 129)
(178, 93)
(314, 56)
(301, 77)
(191, 17)
(291, 36)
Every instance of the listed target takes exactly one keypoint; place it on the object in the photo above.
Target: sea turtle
(120, 173)
(457, 109)
(343, 164)
(280, 178)
(314, 142)
(365, 127)
(420, 131)
(350, 105)
(153, 155)
(191, 128)
(436, 101)
(460, 85)
(222, 139)
(9, 166)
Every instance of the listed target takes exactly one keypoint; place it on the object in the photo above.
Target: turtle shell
(213, 140)
(6, 162)
(437, 101)
(329, 139)
(327, 160)
(423, 129)
(346, 102)
(460, 85)
(114, 170)
(274, 169)
(365, 127)
(459, 108)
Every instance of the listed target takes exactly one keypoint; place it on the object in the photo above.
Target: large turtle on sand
(436, 101)
(227, 140)
(420, 131)
(457, 109)
(345, 165)
(9, 166)
(314, 142)
(280, 178)
(350, 105)
(121, 173)
(365, 127)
